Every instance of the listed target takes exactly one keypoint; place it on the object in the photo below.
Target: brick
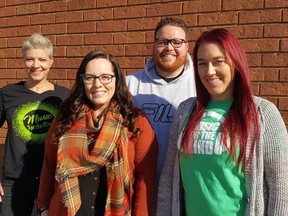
(255, 88)
(283, 75)
(283, 103)
(284, 45)
(69, 39)
(276, 3)
(212, 19)
(111, 26)
(98, 38)
(129, 37)
(199, 6)
(15, 63)
(64, 63)
(98, 14)
(28, 30)
(55, 6)
(3, 23)
(129, 12)
(11, 73)
(76, 51)
(7, 11)
(285, 15)
(138, 49)
(71, 73)
(28, 9)
(275, 59)
(7, 53)
(137, 2)
(189, 19)
(42, 19)
(54, 29)
(274, 88)
(143, 23)
(276, 30)
(15, 42)
(80, 4)
(18, 21)
(59, 74)
(261, 45)
(66, 83)
(110, 3)
(115, 50)
(254, 59)
(242, 31)
(3, 43)
(164, 9)
(264, 74)
(70, 16)
(131, 62)
(241, 4)
(260, 16)
(17, 2)
(59, 51)
(81, 27)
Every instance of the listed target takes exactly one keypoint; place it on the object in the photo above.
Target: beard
(169, 66)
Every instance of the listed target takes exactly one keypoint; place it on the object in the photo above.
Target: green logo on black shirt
(31, 121)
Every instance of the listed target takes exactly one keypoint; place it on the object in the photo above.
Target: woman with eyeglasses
(101, 151)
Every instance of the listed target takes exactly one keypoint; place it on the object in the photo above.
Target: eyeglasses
(176, 42)
(104, 78)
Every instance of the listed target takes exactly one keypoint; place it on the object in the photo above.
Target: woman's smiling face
(215, 71)
(99, 94)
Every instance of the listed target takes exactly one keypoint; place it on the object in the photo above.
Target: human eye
(106, 77)
(177, 42)
(89, 78)
(161, 42)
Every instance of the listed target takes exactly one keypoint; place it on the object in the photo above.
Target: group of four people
(222, 152)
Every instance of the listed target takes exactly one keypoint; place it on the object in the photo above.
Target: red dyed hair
(242, 117)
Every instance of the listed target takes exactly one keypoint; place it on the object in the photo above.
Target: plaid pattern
(110, 150)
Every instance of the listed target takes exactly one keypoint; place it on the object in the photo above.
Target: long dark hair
(242, 117)
(77, 103)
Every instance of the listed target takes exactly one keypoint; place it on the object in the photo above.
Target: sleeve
(166, 188)
(275, 160)
(47, 178)
(2, 114)
(145, 161)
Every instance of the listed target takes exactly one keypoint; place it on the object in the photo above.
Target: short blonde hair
(37, 41)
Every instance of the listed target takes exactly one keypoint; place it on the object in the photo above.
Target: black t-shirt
(28, 115)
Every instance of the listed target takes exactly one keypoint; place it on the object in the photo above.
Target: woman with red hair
(228, 151)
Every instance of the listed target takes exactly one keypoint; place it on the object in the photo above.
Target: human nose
(211, 69)
(36, 64)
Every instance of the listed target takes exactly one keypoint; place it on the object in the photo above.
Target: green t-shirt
(212, 183)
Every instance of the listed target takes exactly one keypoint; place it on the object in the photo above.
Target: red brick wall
(125, 29)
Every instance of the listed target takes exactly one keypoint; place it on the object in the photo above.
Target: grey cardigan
(266, 181)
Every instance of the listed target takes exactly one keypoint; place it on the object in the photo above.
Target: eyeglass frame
(167, 41)
(97, 77)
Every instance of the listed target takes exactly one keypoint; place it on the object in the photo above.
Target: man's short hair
(172, 22)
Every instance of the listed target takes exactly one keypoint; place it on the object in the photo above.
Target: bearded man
(166, 80)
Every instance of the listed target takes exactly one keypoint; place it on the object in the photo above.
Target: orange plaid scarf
(110, 150)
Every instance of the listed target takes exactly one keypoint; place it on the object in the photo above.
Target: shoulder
(264, 106)
(13, 86)
(185, 106)
(62, 90)
(142, 122)
(135, 75)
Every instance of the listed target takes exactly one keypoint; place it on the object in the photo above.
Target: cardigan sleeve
(145, 162)
(47, 178)
(275, 140)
